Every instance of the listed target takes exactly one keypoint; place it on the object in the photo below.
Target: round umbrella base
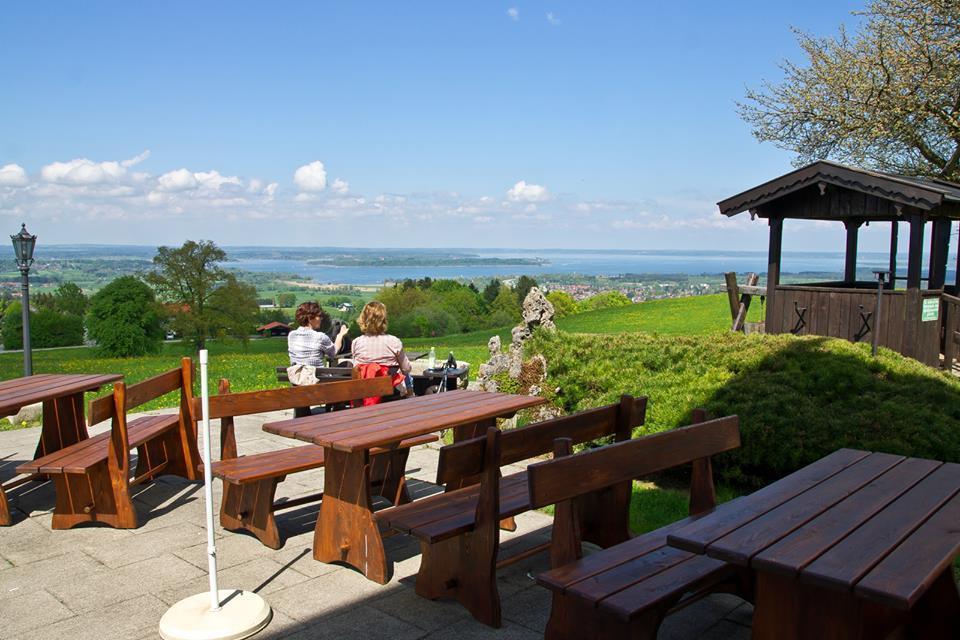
(241, 615)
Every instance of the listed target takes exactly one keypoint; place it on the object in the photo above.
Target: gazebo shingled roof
(926, 194)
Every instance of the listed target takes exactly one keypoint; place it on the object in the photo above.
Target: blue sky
(519, 124)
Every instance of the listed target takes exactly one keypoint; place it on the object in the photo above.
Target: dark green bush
(124, 319)
(798, 398)
(48, 328)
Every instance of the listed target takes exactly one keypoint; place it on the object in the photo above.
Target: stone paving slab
(102, 583)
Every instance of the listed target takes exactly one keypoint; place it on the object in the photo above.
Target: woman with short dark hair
(307, 345)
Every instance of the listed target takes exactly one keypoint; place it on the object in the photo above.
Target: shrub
(604, 300)
(563, 303)
(13, 326)
(798, 398)
(124, 319)
(48, 328)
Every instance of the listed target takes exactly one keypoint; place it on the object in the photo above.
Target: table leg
(5, 518)
(63, 424)
(787, 609)
(346, 530)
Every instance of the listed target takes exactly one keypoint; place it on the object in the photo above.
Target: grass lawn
(695, 315)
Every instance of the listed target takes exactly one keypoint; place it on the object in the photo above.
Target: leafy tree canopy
(124, 319)
(886, 97)
(524, 284)
(205, 299)
(68, 298)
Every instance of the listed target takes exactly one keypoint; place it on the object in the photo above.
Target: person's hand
(343, 330)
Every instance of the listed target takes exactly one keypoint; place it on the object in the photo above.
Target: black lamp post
(23, 244)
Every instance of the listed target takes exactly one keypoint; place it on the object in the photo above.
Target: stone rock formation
(537, 312)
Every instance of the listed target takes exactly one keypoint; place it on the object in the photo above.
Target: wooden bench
(250, 482)
(625, 591)
(458, 530)
(324, 374)
(92, 477)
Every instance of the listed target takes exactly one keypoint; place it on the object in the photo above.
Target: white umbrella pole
(208, 484)
(202, 616)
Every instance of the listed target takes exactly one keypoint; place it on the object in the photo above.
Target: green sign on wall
(931, 309)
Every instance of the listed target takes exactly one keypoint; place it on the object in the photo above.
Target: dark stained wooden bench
(324, 375)
(626, 591)
(92, 477)
(458, 530)
(250, 482)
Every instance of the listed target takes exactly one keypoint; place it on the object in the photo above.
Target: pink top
(384, 349)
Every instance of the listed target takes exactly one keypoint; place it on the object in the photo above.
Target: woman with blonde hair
(377, 352)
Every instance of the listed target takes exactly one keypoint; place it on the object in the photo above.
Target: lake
(594, 263)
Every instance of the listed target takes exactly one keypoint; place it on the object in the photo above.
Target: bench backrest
(142, 392)
(226, 405)
(323, 373)
(125, 397)
(561, 479)
(464, 460)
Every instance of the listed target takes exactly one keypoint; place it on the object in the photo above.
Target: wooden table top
(880, 525)
(19, 392)
(382, 424)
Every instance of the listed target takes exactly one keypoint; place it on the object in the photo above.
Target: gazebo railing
(850, 313)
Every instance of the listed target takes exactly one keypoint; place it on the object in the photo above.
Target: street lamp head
(23, 244)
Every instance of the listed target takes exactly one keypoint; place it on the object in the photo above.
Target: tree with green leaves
(886, 97)
(491, 290)
(125, 319)
(287, 300)
(68, 298)
(563, 303)
(524, 284)
(205, 300)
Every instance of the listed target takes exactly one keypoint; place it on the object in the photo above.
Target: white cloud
(552, 19)
(311, 177)
(82, 171)
(523, 192)
(12, 175)
(513, 13)
(177, 180)
(214, 181)
(340, 186)
(135, 160)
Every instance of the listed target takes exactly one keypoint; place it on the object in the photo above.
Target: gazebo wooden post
(939, 248)
(773, 274)
(850, 262)
(956, 282)
(894, 232)
(911, 319)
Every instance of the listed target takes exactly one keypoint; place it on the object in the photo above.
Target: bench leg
(249, 507)
(346, 529)
(166, 448)
(92, 497)
(575, 619)
(5, 517)
(605, 515)
(387, 472)
(462, 568)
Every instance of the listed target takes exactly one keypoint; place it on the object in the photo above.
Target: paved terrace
(102, 583)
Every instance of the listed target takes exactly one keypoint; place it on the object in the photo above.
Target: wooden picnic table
(851, 546)
(63, 423)
(347, 530)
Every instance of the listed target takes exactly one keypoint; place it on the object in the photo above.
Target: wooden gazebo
(910, 322)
